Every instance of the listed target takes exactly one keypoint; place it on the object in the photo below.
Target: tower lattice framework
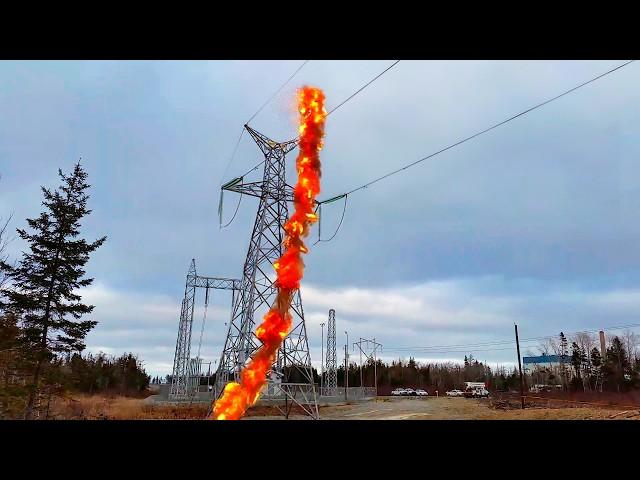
(331, 363)
(291, 377)
(186, 370)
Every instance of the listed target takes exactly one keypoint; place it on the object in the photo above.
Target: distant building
(544, 361)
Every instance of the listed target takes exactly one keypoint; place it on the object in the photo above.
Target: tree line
(43, 320)
(581, 367)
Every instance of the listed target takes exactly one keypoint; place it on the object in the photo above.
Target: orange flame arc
(237, 397)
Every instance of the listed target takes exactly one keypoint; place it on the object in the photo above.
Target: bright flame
(237, 397)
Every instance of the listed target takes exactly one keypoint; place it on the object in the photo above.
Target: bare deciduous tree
(631, 341)
(3, 248)
(4, 241)
(585, 340)
(549, 346)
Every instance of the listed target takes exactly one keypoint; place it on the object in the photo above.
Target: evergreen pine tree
(596, 364)
(576, 359)
(12, 363)
(564, 353)
(616, 365)
(45, 281)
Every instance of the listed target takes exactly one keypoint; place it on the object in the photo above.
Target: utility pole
(346, 367)
(375, 366)
(520, 368)
(359, 343)
(346, 375)
(321, 357)
(361, 385)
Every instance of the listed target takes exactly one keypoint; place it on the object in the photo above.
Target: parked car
(397, 392)
(421, 393)
(540, 388)
(455, 393)
(410, 391)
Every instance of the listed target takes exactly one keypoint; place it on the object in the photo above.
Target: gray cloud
(533, 222)
(405, 320)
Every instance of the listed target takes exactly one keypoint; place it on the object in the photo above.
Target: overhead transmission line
(255, 114)
(233, 154)
(328, 113)
(498, 343)
(524, 112)
(277, 91)
(235, 149)
(339, 105)
(363, 87)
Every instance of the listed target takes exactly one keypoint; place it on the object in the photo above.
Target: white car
(409, 391)
(397, 392)
(421, 393)
(455, 393)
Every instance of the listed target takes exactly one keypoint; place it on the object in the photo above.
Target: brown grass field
(83, 407)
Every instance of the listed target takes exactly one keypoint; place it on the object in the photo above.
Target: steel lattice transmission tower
(292, 370)
(186, 370)
(180, 375)
(331, 365)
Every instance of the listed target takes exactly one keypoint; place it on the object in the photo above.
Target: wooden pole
(520, 368)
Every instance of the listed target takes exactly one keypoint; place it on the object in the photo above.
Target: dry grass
(83, 407)
(121, 408)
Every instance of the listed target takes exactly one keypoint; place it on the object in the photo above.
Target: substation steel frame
(181, 387)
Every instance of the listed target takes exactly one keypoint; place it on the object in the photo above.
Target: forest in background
(583, 368)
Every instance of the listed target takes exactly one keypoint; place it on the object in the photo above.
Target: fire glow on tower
(237, 397)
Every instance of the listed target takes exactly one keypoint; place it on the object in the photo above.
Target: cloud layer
(404, 319)
(533, 223)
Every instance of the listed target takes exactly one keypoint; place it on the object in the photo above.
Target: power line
(363, 87)
(233, 154)
(233, 217)
(466, 350)
(485, 130)
(332, 110)
(235, 150)
(277, 91)
(498, 343)
(344, 209)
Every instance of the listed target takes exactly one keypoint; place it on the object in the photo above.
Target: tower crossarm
(267, 145)
(256, 189)
(215, 283)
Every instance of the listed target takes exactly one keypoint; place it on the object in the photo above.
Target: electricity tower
(331, 383)
(370, 357)
(291, 375)
(186, 370)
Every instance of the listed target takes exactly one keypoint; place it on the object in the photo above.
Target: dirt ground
(382, 408)
(444, 408)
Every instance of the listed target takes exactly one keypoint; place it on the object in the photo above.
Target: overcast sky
(535, 222)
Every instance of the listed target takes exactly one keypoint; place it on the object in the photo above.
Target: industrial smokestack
(602, 344)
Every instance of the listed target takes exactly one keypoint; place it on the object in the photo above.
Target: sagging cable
(344, 209)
